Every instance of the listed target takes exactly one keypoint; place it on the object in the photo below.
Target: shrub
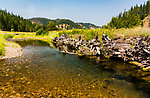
(39, 31)
(42, 32)
(45, 32)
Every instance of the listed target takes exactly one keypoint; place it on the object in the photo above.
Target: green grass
(16, 32)
(138, 31)
(25, 35)
(47, 38)
(9, 36)
(2, 45)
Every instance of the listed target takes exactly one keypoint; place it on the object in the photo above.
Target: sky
(98, 12)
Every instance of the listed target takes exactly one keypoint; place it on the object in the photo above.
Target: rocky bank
(132, 49)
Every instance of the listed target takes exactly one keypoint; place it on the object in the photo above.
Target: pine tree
(51, 26)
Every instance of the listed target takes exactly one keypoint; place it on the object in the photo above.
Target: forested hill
(64, 23)
(128, 19)
(88, 25)
(11, 22)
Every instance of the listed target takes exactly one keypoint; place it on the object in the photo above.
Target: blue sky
(98, 12)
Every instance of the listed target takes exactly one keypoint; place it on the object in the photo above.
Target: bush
(39, 31)
(45, 32)
(42, 32)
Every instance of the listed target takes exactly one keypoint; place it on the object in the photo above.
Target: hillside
(40, 21)
(64, 23)
(88, 25)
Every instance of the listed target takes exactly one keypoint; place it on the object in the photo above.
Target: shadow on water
(127, 72)
(72, 75)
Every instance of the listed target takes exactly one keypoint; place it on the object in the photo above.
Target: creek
(43, 71)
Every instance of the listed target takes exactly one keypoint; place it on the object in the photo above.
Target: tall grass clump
(137, 31)
(86, 33)
(2, 45)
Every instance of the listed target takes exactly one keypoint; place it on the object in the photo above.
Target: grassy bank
(2, 45)
(47, 38)
(85, 33)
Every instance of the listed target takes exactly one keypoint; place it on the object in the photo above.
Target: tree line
(11, 22)
(131, 18)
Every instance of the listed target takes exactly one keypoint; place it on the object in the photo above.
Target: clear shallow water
(43, 71)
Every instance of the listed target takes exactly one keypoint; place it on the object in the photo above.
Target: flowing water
(43, 71)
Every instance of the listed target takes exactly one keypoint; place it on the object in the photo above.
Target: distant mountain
(63, 23)
(40, 21)
(88, 25)
(67, 24)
